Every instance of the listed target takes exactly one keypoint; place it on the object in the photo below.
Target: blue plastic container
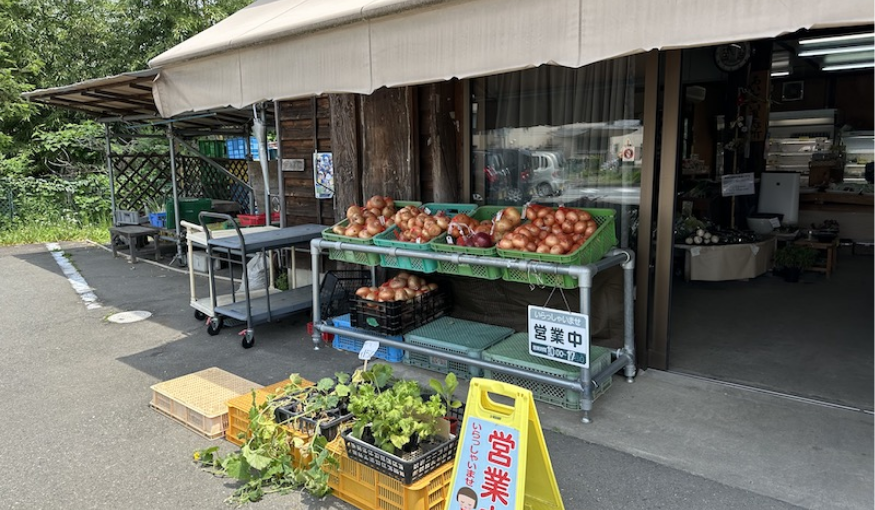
(391, 354)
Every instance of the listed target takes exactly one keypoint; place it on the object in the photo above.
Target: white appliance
(779, 194)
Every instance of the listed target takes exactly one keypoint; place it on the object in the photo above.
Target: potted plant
(794, 259)
(446, 391)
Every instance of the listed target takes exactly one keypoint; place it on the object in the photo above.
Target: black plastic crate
(288, 414)
(397, 317)
(336, 289)
(405, 470)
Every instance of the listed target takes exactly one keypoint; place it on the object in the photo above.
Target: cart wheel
(199, 315)
(248, 340)
(214, 326)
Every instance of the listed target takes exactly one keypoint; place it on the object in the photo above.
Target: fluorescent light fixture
(781, 73)
(859, 65)
(838, 38)
(836, 51)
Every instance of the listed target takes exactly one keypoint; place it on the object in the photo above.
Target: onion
(512, 214)
(362, 292)
(519, 242)
(481, 240)
(338, 229)
(589, 230)
(397, 283)
(556, 229)
(532, 247)
(505, 243)
(538, 222)
(572, 216)
(580, 227)
(542, 234)
(531, 212)
(386, 294)
(377, 201)
(371, 296)
(542, 248)
(353, 210)
(568, 228)
(503, 225)
(352, 230)
(549, 220)
(544, 211)
(357, 219)
(565, 243)
(433, 230)
(364, 234)
(390, 202)
(585, 215)
(556, 250)
(551, 240)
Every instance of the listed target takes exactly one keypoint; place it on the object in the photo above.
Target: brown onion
(580, 227)
(519, 242)
(505, 243)
(549, 220)
(571, 215)
(551, 240)
(585, 215)
(556, 250)
(512, 214)
(542, 248)
(531, 247)
(567, 227)
(544, 211)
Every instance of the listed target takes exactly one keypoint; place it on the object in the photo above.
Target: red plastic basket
(256, 220)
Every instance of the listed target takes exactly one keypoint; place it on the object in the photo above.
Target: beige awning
(285, 49)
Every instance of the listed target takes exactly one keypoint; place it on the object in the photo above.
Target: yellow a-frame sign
(502, 461)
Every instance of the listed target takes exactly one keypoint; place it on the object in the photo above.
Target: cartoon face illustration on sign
(467, 498)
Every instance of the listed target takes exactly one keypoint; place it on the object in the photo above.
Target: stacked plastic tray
(354, 345)
(456, 336)
(514, 352)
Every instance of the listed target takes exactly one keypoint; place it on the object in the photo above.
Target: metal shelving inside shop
(588, 385)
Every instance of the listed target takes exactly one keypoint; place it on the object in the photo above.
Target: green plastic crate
(473, 270)
(600, 243)
(189, 209)
(457, 336)
(357, 257)
(514, 352)
(213, 148)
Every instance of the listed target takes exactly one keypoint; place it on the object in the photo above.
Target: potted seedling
(446, 391)
(794, 259)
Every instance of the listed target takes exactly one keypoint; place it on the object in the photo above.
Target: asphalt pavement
(80, 434)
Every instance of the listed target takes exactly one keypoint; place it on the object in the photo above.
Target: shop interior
(775, 154)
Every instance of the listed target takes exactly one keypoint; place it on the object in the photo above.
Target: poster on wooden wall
(323, 174)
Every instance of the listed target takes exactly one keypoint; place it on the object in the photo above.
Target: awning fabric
(285, 49)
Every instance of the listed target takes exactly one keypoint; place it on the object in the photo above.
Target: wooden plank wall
(305, 127)
(440, 143)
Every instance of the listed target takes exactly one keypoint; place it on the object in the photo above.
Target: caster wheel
(199, 315)
(214, 326)
(545, 190)
(248, 340)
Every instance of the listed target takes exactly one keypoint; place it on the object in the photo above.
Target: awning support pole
(172, 139)
(109, 167)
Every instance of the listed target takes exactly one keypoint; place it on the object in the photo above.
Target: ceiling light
(860, 65)
(836, 51)
(838, 38)
(781, 73)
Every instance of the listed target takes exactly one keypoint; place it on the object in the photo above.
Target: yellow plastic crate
(367, 488)
(238, 411)
(198, 400)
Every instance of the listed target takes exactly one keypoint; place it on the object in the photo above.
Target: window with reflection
(555, 135)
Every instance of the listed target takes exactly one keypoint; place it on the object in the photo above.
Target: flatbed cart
(255, 310)
(195, 238)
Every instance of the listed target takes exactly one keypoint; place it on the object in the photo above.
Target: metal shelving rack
(588, 382)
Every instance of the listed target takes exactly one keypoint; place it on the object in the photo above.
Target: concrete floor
(812, 339)
(80, 434)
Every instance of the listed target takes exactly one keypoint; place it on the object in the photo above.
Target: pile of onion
(417, 226)
(466, 231)
(403, 287)
(368, 221)
(550, 231)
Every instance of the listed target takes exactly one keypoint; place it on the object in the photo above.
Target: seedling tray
(405, 470)
(290, 415)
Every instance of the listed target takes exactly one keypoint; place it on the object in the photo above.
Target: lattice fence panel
(141, 180)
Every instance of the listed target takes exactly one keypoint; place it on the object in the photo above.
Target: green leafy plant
(397, 416)
(266, 461)
(795, 256)
(446, 389)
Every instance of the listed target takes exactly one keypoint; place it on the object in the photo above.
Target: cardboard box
(822, 173)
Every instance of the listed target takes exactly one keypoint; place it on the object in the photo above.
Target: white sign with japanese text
(737, 184)
(559, 336)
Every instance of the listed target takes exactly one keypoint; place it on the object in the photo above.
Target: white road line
(76, 281)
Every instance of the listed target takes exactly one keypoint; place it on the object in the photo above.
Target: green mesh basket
(514, 352)
(474, 270)
(600, 243)
(365, 259)
(457, 336)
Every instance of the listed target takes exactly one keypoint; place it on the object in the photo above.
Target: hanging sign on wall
(559, 336)
(323, 174)
(737, 184)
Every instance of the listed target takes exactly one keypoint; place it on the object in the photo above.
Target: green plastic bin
(466, 338)
(600, 243)
(357, 257)
(189, 209)
(474, 270)
(514, 352)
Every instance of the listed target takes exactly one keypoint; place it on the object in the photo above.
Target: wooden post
(346, 152)
(389, 157)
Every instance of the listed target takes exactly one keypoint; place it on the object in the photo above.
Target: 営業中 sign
(559, 336)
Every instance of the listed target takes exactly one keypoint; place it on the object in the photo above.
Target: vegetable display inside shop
(417, 226)
(365, 222)
(554, 231)
(403, 287)
(466, 231)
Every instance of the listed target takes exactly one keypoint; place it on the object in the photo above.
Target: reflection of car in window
(548, 173)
